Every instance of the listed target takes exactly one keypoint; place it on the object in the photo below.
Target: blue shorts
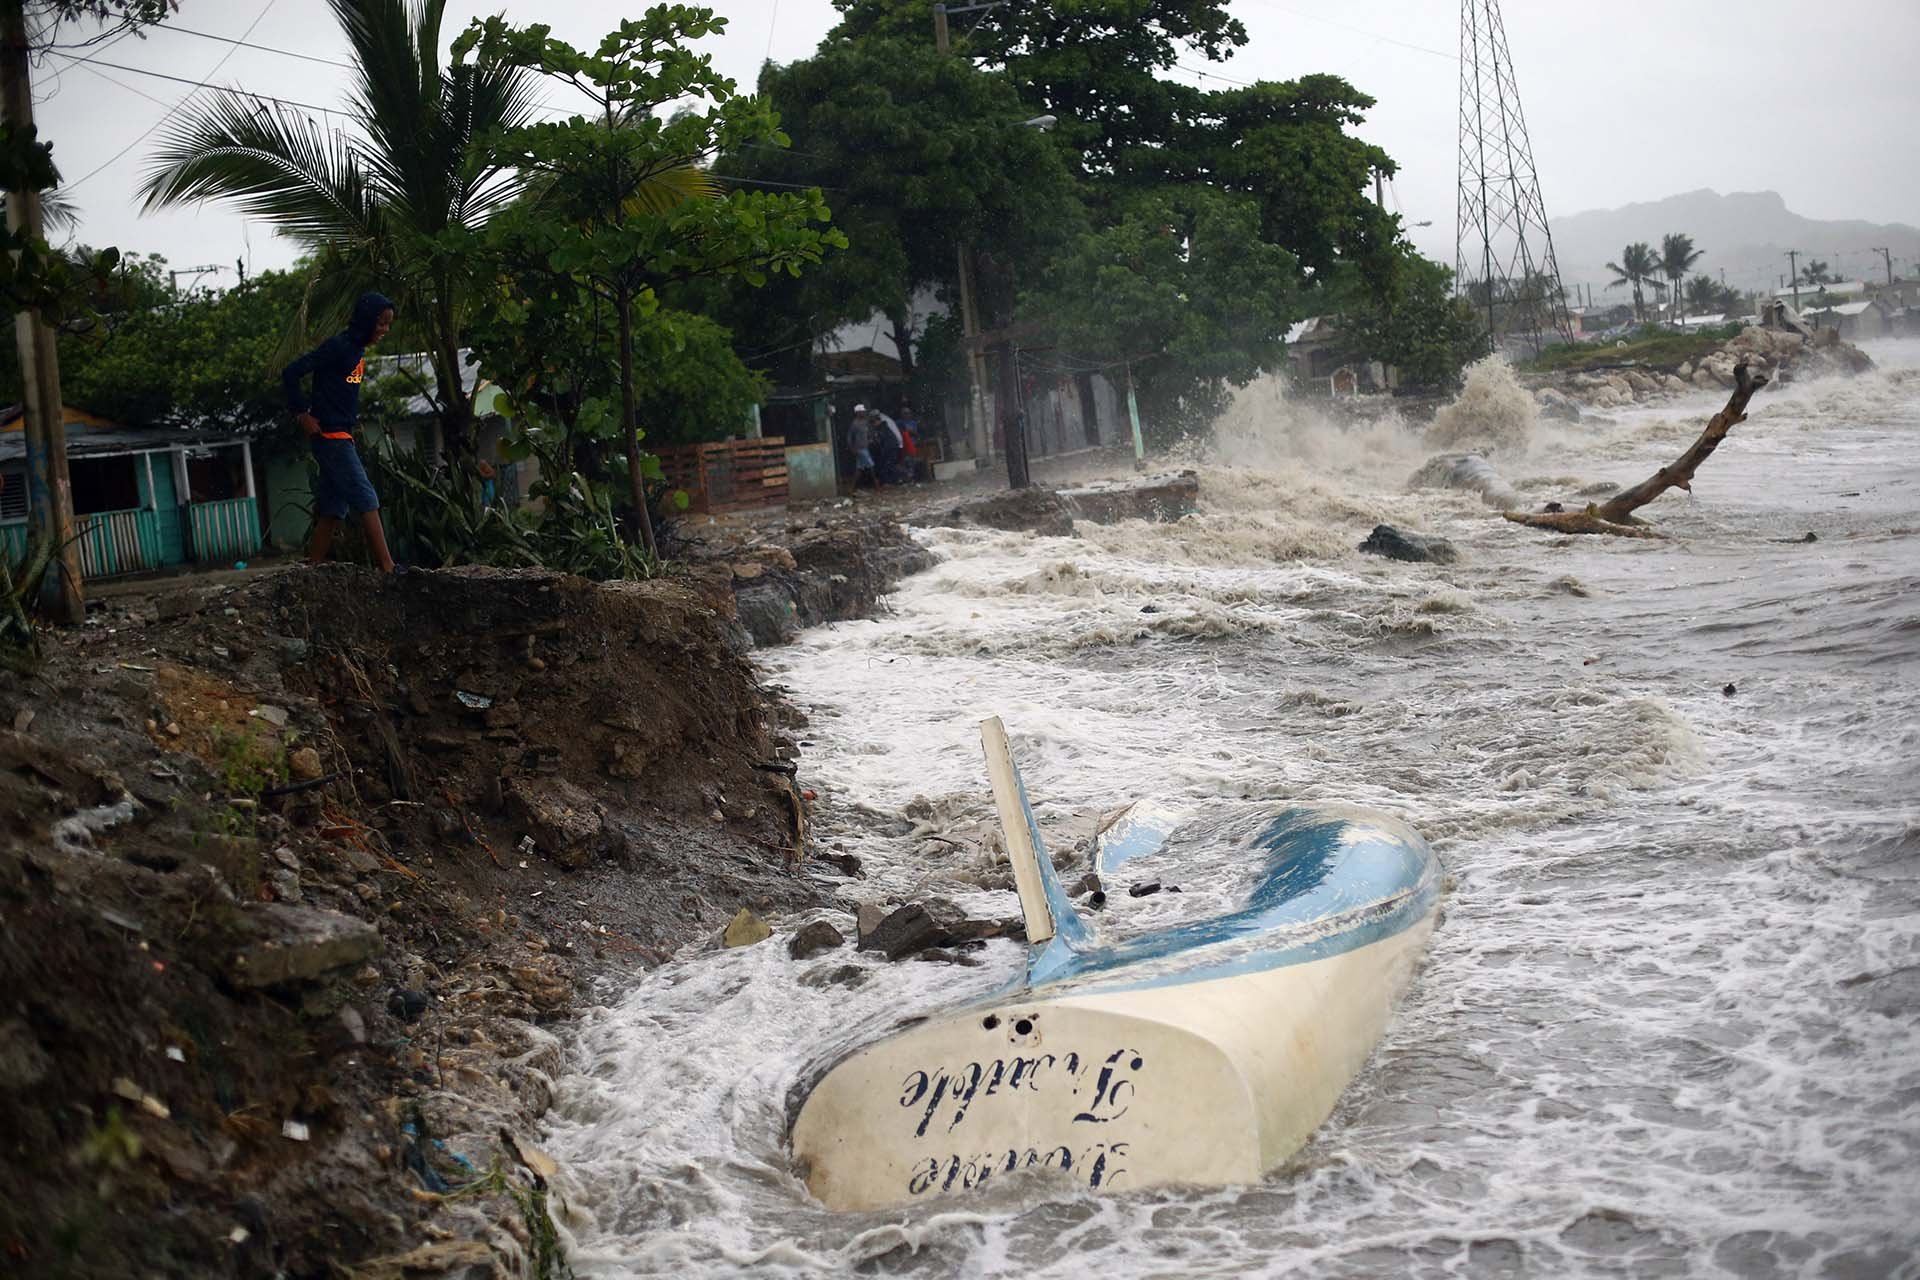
(862, 460)
(343, 484)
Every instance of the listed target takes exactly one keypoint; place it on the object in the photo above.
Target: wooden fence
(728, 475)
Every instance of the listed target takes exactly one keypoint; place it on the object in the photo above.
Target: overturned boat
(1204, 1045)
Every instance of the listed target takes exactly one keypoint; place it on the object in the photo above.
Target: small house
(144, 498)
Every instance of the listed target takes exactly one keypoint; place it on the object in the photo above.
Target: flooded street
(1668, 1022)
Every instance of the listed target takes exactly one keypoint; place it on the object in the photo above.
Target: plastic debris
(473, 701)
(295, 1130)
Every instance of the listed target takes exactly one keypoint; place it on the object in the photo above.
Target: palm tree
(383, 206)
(1637, 267)
(1677, 256)
(1815, 272)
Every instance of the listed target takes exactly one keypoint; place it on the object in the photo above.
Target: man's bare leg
(322, 541)
(377, 540)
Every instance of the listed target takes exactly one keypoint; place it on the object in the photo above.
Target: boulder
(936, 922)
(1467, 471)
(745, 929)
(565, 822)
(1685, 370)
(814, 939)
(1703, 380)
(1557, 404)
(299, 944)
(1673, 385)
(1385, 540)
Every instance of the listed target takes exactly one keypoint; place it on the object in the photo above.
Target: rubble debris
(937, 923)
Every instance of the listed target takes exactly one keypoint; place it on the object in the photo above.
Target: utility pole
(1887, 255)
(1793, 265)
(981, 434)
(49, 490)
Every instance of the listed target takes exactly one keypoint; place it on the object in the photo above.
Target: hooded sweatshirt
(337, 366)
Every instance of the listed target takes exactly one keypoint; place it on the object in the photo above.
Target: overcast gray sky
(1626, 101)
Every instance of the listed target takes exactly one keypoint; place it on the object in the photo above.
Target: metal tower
(1504, 257)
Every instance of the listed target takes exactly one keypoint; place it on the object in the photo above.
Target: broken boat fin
(1043, 901)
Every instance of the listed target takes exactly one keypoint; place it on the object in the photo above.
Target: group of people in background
(883, 447)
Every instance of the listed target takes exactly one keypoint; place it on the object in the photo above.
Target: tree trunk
(456, 406)
(630, 426)
(902, 322)
(1615, 515)
(49, 490)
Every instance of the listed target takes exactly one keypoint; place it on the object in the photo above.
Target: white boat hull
(1213, 1081)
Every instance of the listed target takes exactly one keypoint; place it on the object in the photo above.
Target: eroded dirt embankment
(297, 877)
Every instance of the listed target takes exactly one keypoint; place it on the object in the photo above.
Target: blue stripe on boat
(1333, 880)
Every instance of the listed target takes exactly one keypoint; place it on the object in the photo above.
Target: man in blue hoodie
(329, 418)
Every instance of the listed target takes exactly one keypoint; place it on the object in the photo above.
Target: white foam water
(1667, 1025)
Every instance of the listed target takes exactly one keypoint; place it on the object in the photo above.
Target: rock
(407, 1004)
(1467, 471)
(23, 1061)
(745, 929)
(936, 922)
(1673, 385)
(352, 1026)
(1557, 404)
(1685, 370)
(275, 716)
(814, 939)
(1385, 540)
(846, 863)
(1703, 380)
(299, 944)
(842, 975)
(748, 571)
(913, 927)
(286, 884)
(867, 918)
(1642, 385)
(563, 819)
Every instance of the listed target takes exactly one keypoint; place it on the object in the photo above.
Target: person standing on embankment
(338, 365)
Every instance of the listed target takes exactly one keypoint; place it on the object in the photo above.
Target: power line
(264, 48)
(201, 84)
(1362, 31)
(166, 115)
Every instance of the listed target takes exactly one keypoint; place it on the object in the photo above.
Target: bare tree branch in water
(1615, 515)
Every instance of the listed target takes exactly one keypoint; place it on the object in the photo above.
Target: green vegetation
(1649, 345)
(1421, 327)
(1637, 267)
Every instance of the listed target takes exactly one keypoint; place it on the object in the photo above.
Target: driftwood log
(1615, 515)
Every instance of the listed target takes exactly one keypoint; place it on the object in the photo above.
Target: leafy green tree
(1095, 64)
(384, 207)
(1637, 267)
(1287, 145)
(610, 212)
(206, 360)
(1182, 287)
(1423, 329)
(1677, 256)
(921, 152)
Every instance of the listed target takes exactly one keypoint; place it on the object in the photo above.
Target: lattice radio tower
(1504, 260)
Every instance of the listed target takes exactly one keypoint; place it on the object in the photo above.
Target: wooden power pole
(49, 491)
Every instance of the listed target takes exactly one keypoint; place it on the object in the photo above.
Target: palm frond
(271, 162)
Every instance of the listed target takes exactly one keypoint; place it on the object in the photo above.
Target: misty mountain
(1746, 233)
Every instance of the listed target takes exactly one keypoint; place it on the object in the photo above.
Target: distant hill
(1746, 233)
